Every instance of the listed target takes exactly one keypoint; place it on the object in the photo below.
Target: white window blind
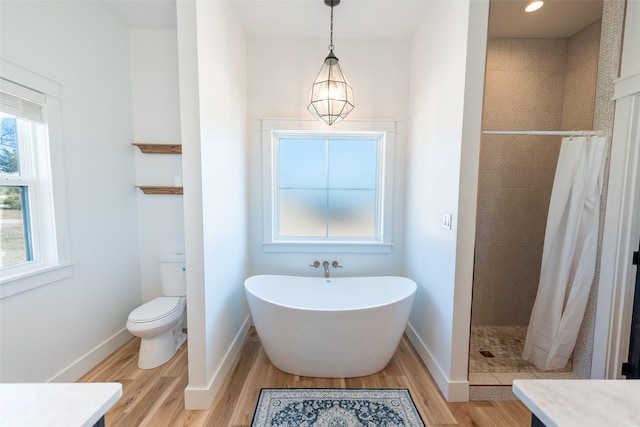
(21, 101)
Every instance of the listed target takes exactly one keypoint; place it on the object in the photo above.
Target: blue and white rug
(335, 407)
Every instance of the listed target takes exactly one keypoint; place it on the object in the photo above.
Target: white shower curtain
(569, 253)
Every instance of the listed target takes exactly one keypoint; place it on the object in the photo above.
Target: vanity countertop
(56, 404)
(584, 403)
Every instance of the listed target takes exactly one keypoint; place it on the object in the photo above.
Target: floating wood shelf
(159, 148)
(155, 189)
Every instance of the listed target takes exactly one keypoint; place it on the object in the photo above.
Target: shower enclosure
(533, 84)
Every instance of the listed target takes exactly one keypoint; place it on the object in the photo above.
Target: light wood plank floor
(156, 397)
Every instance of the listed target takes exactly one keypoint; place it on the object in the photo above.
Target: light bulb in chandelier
(331, 95)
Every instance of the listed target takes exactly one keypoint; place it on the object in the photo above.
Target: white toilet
(159, 322)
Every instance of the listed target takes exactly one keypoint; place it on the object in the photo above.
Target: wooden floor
(155, 397)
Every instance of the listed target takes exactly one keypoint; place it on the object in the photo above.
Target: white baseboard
(453, 391)
(198, 398)
(92, 358)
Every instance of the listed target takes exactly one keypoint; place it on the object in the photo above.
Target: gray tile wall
(531, 84)
(580, 81)
(608, 71)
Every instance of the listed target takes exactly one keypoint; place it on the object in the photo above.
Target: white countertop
(583, 403)
(56, 404)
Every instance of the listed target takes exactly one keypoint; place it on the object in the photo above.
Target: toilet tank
(172, 274)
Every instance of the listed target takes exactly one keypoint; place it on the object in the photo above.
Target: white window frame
(50, 238)
(277, 129)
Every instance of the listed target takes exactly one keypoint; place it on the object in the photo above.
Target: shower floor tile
(498, 349)
(495, 361)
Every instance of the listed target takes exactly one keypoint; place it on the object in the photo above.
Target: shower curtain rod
(544, 132)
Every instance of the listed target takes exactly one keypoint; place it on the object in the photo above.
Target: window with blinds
(22, 142)
(20, 101)
(34, 249)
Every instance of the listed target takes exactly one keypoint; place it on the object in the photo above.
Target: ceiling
(371, 19)
(556, 19)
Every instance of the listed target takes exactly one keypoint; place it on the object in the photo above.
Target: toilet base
(158, 350)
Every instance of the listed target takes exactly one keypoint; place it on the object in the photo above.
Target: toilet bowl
(158, 322)
(159, 325)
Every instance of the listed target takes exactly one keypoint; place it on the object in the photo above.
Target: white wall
(60, 330)
(446, 99)
(156, 114)
(212, 61)
(280, 73)
(630, 63)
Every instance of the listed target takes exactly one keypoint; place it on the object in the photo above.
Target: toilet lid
(155, 309)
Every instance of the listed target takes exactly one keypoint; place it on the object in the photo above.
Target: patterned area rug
(335, 407)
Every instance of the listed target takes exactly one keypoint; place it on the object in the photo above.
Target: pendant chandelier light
(331, 96)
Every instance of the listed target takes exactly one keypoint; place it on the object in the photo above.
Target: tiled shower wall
(608, 70)
(580, 83)
(531, 84)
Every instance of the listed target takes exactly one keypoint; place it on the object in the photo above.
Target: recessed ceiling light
(533, 5)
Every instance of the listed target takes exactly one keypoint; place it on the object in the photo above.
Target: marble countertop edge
(582, 402)
(56, 404)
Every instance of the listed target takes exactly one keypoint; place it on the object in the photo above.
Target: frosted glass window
(303, 212)
(328, 187)
(352, 164)
(303, 163)
(351, 213)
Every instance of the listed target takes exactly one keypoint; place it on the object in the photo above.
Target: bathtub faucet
(326, 268)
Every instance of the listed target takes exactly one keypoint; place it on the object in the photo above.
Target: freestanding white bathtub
(330, 328)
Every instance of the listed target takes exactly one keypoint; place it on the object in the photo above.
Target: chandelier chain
(331, 31)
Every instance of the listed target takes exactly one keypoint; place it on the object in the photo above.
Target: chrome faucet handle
(335, 264)
(315, 264)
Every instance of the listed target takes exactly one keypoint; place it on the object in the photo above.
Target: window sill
(21, 280)
(336, 248)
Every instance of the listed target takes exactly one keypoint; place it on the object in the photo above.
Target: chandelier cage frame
(331, 95)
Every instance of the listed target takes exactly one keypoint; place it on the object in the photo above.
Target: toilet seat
(156, 309)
